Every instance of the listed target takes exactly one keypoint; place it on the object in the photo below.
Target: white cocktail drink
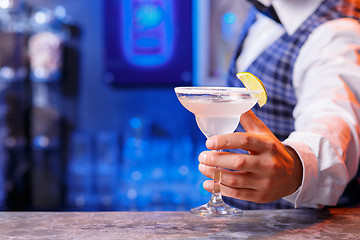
(218, 116)
(217, 111)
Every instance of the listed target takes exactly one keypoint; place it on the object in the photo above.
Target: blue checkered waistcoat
(275, 67)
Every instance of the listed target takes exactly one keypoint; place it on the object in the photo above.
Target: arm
(327, 115)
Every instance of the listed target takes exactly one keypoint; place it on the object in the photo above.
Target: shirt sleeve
(327, 114)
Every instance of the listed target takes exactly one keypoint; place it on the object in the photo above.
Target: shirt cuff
(303, 196)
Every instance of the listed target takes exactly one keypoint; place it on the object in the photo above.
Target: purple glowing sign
(147, 31)
(148, 42)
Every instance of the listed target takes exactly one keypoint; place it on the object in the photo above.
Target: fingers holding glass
(241, 185)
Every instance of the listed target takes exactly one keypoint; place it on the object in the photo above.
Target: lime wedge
(251, 82)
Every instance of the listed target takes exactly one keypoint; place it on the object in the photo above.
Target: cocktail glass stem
(216, 207)
(216, 195)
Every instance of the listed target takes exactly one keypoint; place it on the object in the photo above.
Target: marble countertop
(332, 223)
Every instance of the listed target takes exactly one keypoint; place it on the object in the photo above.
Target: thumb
(251, 123)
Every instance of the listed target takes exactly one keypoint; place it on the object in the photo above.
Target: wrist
(297, 173)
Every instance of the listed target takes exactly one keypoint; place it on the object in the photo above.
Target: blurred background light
(4, 4)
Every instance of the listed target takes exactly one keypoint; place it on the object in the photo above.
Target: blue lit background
(132, 146)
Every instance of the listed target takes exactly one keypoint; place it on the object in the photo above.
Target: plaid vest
(275, 67)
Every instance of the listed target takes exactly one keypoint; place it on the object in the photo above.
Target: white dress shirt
(326, 80)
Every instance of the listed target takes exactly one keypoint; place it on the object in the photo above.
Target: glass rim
(214, 90)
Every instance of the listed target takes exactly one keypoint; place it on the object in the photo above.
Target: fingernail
(202, 157)
(201, 167)
(211, 143)
(207, 185)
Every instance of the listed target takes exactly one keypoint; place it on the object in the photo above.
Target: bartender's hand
(270, 171)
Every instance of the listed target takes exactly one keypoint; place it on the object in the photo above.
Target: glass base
(216, 209)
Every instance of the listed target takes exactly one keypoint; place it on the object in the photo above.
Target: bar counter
(332, 223)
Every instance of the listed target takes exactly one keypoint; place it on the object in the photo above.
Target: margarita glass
(217, 111)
